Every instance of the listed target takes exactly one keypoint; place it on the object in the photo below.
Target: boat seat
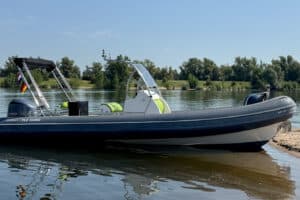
(111, 107)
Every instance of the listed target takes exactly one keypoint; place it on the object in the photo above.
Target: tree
(257, 79)
(211, 71)
(10, 81)
(271, 77)
(87, 73)
(277, 66)
(9, 68)
(117, 73)
(9, 72)
(97, 75)
(192, 66)
(176, 75)
(243, 68)
(284, 64)
(38, 75)
(99, 81)
(202, 70)
(68, 68)
(115, 83)
(226, 73)
(287, 68)
(293, 72)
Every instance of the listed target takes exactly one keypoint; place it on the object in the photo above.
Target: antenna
(107, 57)
(104, 56)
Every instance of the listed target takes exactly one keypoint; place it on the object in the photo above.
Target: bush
(74, 82)
(184, 87)
(10, 81)
(289, 85)
(208, 83)
(193, 81)
(38, 76)
(218, 87)
(99, 81)
(166, 83)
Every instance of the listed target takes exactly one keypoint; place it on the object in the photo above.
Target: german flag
(23, 88)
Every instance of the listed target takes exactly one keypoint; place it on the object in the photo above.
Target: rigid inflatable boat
(144, 117)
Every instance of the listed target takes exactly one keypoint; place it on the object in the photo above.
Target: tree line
(278, 74)
(259, 74)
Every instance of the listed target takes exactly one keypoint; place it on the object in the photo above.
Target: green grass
(86, 84)
(51, 83)
(172, 84)
(1, 81)
(212, 85)
(225, 84)
(176, 84)
(75, 83)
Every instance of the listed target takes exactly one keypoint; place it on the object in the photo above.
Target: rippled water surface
(144, 173)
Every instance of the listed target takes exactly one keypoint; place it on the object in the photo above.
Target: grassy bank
(223, 85)
(75, 83)
(171, 85)
(1, 80)
(205, 85)
(51, 83)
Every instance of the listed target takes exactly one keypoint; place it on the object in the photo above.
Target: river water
(148, 173)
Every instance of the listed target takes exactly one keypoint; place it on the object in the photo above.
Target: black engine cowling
(21, 108)
(256, 98)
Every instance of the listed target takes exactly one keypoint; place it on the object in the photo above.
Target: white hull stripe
(248, 136)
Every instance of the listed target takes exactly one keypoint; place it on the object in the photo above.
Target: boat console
(77, 108)
(147, 98)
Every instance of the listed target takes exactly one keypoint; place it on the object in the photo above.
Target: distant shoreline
(169, 85)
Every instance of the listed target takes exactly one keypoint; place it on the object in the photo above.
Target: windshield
(145, 75)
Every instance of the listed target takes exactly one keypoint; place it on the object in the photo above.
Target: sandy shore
(289, 141)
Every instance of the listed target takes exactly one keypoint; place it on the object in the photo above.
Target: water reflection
(132, 173)
(208, 99)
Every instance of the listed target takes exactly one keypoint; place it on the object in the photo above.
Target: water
(160, 173)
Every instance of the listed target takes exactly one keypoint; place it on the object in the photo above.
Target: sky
(168, 32)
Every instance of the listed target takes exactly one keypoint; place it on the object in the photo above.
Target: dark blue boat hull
(164, 129)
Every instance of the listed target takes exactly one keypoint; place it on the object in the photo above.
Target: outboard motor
(21, 108)
(256, 98)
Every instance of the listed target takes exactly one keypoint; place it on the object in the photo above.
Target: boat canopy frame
(25, 65)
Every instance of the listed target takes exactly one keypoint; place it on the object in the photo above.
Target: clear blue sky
(167, 32)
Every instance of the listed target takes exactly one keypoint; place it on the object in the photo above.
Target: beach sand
(288, 141)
